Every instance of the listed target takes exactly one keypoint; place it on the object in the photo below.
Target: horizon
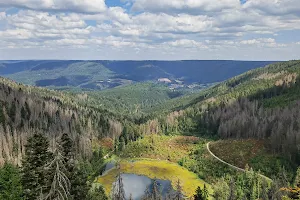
(147, 60)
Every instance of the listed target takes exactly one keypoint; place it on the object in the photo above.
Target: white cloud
(192, 6)
(86, 6)
(15, 34)
(185, 43)
(2, 15)
(275, 7)
(263, 42)
(165, 26)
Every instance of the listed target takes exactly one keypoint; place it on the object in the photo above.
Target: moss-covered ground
(158, 169)
(171, 148)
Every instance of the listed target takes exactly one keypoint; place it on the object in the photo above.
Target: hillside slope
(27, 110)
(262, 104)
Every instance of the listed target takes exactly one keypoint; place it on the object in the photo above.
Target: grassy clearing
(156, 169)
(252, 153)
(161, 147)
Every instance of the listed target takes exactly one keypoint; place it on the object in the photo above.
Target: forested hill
(25, 110)
(108, 74)
(263, 104)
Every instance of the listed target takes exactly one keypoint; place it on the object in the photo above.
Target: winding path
(232, 166)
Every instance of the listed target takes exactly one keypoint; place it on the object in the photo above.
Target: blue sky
(144, 29)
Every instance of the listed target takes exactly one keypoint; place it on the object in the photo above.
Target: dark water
(137, 185)
(109, 166)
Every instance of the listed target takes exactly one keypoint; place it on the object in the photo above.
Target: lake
(137, 185)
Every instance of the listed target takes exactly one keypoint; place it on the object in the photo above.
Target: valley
(154, 138)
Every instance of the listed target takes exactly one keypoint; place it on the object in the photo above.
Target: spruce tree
(35, 177)
(10, 183)
(79, 186)
(97, 194)
(201, 194)
(78, 177)
(156, 193)
(178, 195)
(205, 193)
(198, 194)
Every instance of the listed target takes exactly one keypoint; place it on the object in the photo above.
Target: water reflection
(137, 185)
(109, 166)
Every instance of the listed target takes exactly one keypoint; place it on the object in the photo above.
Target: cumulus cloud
(86, 6)
(263, 42)
(165, 26)
(191, 6)
(186, 43)
(2, 15)
(275, 7)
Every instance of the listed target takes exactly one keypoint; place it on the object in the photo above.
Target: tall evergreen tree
(156, 192)
(153, 192)
(35, 177)
(97, 194)
(79, 186)
(178, 195)
(201, 194)
(75, 173)
(198, 194)
(10, 183)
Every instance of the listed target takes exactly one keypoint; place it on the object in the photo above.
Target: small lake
(137, 185)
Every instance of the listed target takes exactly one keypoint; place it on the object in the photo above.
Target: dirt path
(230, 165)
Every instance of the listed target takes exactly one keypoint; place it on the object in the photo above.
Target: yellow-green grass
(158, 169)
(171, 148)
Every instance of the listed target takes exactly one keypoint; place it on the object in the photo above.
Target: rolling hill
(101, 75)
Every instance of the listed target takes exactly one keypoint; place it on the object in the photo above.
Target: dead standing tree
(60, 187)
(118, 192)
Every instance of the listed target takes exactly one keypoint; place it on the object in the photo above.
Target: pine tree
(178, 195)
(198, 194)
(79, 186)
(156, 194)
(153, 192)
(97, 194)
(35, 177)
(77, 177)
(67, 150)
(10, 183)
(205, 193)
(297, 178)
(232, 190)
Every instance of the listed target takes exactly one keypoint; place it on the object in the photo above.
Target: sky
(150, 29)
